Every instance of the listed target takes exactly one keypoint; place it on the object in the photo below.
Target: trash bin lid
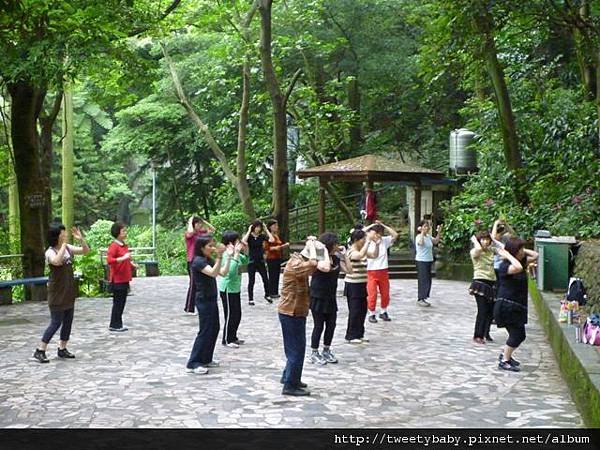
(558, 240)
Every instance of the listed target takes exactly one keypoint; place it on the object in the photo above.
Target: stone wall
(579, 363)
(587, 267)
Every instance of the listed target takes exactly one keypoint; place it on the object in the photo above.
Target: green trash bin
(553, 262)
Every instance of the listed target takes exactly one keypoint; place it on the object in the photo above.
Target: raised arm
(476, 250)
(438, 235)
(345, 262)
(393, 233)
(532, 256)
(78, 235)
(247, 235)
(216, 269)
(325, 265)
(57, 259)
(189, 232)
(515, 266)
(269, 234)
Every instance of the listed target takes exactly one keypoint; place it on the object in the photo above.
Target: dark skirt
(483, 288)
(323, 305)
(508, 313)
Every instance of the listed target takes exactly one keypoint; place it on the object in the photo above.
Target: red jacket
(120, 272)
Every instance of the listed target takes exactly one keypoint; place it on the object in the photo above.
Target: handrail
(11, 256)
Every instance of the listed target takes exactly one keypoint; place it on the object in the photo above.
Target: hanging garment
(371, 205)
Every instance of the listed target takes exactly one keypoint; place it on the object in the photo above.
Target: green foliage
(231, 220)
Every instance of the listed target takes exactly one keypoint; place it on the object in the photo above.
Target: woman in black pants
(510, 309)
(254, 239)
(323, 304)
(355, 288)
(274, 254)
(204, 273)
(61, 289)
(482, 286)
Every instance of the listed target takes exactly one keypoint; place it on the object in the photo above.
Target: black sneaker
(40, 355)
(506, 365)
(251, 302)
(300, 385)
(384, 316)
(64, 353)
(295, 391)
(268, 299)
(372, 318)
(512, 361)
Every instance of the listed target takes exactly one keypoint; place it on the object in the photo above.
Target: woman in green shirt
(482, 287)
(230, 287)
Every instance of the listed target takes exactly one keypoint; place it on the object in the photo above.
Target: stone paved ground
(420, 370)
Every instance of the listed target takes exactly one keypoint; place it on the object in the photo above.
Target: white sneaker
(200, 370)
(354, 341)
(232, 345)
(316, 358)
(365, 339)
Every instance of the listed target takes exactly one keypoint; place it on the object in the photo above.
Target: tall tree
(279, 101)
(67, 159)
(35, 38)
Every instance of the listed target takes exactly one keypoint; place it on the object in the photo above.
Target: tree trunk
(67, 159)
(278, 102)
(26, 103)
(484, 25)
(46, 122)
(14, 230)
(583, 48)
(241, 184)
(354, 104)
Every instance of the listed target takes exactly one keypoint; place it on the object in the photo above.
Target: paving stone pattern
(419, 370)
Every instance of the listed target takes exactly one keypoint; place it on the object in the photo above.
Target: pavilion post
(417, 209)
(322, 187)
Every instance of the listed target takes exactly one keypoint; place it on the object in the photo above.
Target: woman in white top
(61, 289)
(424, 260)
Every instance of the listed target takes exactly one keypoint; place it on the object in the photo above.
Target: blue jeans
(58, 318)
(294, 344)
(206, 339)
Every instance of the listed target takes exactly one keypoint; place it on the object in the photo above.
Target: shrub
(231, 220)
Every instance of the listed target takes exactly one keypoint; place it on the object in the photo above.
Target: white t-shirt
(67, 257)
(381, 262)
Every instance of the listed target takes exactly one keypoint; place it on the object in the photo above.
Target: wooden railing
(304, 219)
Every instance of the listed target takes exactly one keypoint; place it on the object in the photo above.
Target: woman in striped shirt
(356, 285)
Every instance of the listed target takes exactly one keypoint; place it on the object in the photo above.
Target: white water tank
(462, 158)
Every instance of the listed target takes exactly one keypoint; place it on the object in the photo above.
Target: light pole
(154, 208)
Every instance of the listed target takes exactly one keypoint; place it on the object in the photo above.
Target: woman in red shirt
(119, 261)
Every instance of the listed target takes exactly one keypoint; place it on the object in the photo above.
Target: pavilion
(422, 183)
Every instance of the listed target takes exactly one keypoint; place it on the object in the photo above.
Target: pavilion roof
(370, 168)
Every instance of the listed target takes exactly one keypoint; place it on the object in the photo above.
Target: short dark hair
(230, 237)
(257, 223)
(329, 240)
(116, 228)
(196, 220)
(513, 245)
(202, 242)
(357, 235)
(483, 234)
(54, 233)
(270, 223)
(378, 228)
